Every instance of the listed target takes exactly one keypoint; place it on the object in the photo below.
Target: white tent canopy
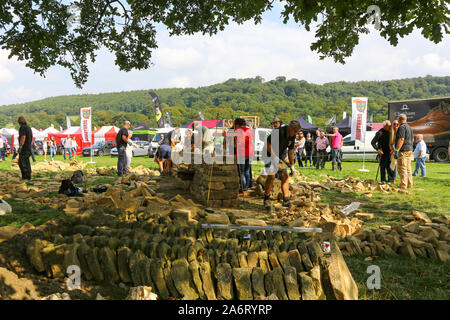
(40, 135)
(12, 135)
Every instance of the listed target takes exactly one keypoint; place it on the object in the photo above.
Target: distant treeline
(287, 99)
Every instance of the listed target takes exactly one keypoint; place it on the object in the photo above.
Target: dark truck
(429, 117)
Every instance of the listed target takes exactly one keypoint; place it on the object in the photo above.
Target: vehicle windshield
(158, 137)
(98, 144)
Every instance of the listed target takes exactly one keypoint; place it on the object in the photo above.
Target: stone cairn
(189, 262)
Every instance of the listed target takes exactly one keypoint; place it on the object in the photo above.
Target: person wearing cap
(121, 144)
(279, 146)
(276, 122)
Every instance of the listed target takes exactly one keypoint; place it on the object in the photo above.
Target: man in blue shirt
(420, 154)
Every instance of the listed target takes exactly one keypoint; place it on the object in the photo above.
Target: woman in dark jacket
(308, 149)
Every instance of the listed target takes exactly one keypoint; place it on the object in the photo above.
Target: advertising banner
(86, 124)
(359, 118)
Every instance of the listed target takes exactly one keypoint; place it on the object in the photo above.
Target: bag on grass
(68, 188)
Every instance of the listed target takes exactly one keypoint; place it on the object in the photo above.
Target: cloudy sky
(269, 50)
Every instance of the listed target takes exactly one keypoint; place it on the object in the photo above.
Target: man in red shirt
(244, 152)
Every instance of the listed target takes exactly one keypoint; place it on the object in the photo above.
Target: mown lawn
(401, 277)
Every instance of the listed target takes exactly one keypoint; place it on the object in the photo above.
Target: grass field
(401, 277)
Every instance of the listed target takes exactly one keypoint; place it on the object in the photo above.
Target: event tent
(105, 133)
(40, 135)
(306, 126)
(73, 132)
(12, 135)
(206, 123)
(143, 132)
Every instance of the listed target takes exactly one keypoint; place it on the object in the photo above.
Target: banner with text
(359, 118)
(86, 124)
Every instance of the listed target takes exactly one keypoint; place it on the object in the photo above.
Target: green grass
(402, 278)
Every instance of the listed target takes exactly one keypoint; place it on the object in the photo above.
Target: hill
(253, 96)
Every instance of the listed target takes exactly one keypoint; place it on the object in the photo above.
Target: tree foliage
(230, 99)
(36, 31)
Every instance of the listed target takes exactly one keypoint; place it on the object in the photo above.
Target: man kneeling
(280, 147)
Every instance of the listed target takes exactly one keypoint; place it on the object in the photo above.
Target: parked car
(99, 149)
(141, 150)
(355, 149)
(39, 150)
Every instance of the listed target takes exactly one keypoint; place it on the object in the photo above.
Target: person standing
(25, 141)
(68, 147)
(309, 150)
(404, 152)
(2, 145)
(279, 146)
(321, 146)
(300, 148)
(420, 154)
(381, 143)
(244, 152)
(52, 147)
(121, 144)
(74, 147)
(206, 137)
(276, 122)
(392, 134)
(337, 142)
(44, 147)
(315, 152)
(33, 149)
(129, 150)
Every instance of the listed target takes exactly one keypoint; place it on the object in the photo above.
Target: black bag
(68, 188)
(78, 177)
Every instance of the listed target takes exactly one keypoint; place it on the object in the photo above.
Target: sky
(269, 49)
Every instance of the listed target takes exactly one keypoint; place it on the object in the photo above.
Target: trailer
(429, 117)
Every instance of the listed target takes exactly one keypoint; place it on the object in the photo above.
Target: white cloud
(5, 73)
(177, 58)
(20, 94)
(179, 82)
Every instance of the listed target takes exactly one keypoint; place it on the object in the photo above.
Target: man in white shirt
(74, 147)
(420, 154)
(68, 147)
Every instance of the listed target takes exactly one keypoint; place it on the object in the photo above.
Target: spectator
(68, 147)
(404, 152)
(420, 154)
(309, 150)
(315, 153)
(121, 144)
(2, 145)
(129, 150)
(74, 147)
(280, 145)
(44, 147)
(392, 134)
(25, 141)
(52, 147)
(300, 148)
(336, 144)
(244, 153)
(381, 143)
(33, 149)
(321, 147)
(276, 122)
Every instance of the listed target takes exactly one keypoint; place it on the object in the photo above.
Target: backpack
(78, 177)
(68, 188)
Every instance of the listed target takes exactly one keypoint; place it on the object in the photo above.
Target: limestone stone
(290, 280)
(216, 218)
(307, 287)
(406, 250)
(314, 273)
(54, 260)
(123, 269)
(242, 281)
(208, 286)
(258, 282)
(181, 279)
(34, 254)
(224, 282)
(83, 258)
(194, 269)
(337, 280)
(421, 216)
(242, 256)
(295, 260)
(263, 261)
(108, 263)
(251, 222)
(277, 279)
(141, 293)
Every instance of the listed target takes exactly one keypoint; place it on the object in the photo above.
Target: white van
(261, 135)
(355, 149)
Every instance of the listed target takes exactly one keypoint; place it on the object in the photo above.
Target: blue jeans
(52, 152)
(245, 168)
(420, 164)
(336, 156)
(309, 155)
(69, 152)
(122, 161)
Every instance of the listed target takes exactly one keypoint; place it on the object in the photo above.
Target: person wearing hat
(121, 145)
(276, 122)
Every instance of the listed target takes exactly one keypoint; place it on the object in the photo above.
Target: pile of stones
(59, 165)
(357, 185)
(189, 262)
(422, 237)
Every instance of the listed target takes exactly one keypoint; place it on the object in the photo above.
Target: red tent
(73, 132)
(105, 133)
(206, 123)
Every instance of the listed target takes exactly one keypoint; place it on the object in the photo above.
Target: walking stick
(379, 164)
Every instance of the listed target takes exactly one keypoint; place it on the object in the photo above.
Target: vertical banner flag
(331, 120)
(157, 105)
(169, 118)
(309, 119)
(201, 116)
(344, 115)
(86, 124)
(359, 118)
(68, 122)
